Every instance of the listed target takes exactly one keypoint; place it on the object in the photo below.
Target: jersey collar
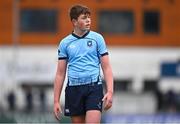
(73, 34)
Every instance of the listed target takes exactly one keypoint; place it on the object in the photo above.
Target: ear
(74, 21)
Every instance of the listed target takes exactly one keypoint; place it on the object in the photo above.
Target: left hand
(108, 100)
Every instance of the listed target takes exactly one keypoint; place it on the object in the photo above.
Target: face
(83, 22)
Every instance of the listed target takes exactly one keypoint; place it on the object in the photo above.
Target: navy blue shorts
(80, 99)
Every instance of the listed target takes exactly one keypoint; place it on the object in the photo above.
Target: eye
(84, 17)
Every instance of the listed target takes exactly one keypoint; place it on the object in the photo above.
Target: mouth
(88, 25)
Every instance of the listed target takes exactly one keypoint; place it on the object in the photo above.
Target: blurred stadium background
(143, 38)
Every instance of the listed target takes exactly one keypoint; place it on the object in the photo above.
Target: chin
(87, 29)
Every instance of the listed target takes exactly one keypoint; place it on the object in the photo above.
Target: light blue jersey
(83, 57)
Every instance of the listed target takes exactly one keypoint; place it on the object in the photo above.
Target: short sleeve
(62, 54)
(102, 49)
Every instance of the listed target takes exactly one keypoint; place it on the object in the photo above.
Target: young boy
(82, 53)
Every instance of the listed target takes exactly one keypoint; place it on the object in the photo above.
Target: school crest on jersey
(89, 43)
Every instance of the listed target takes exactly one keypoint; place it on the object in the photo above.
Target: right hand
(57, 111)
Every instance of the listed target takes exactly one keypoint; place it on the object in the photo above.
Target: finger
(55, 114)
(108, 105)
(104, 98)
(105, 105)
(58, 115)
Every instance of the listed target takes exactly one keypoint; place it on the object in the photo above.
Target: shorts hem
(78, 114)
(94, 109)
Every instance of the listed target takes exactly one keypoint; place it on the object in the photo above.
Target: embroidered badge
(67, 111)
(89, 43)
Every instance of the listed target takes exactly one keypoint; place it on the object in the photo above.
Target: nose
(88, 19)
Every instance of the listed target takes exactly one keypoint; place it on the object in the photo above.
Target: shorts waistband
(92, 83)
(89, 84)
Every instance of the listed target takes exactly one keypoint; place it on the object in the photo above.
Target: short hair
(77, 10)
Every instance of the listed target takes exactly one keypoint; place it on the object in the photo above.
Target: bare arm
(58, 85)
(108, 76)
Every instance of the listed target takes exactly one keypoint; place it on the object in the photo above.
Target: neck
(79, 32)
